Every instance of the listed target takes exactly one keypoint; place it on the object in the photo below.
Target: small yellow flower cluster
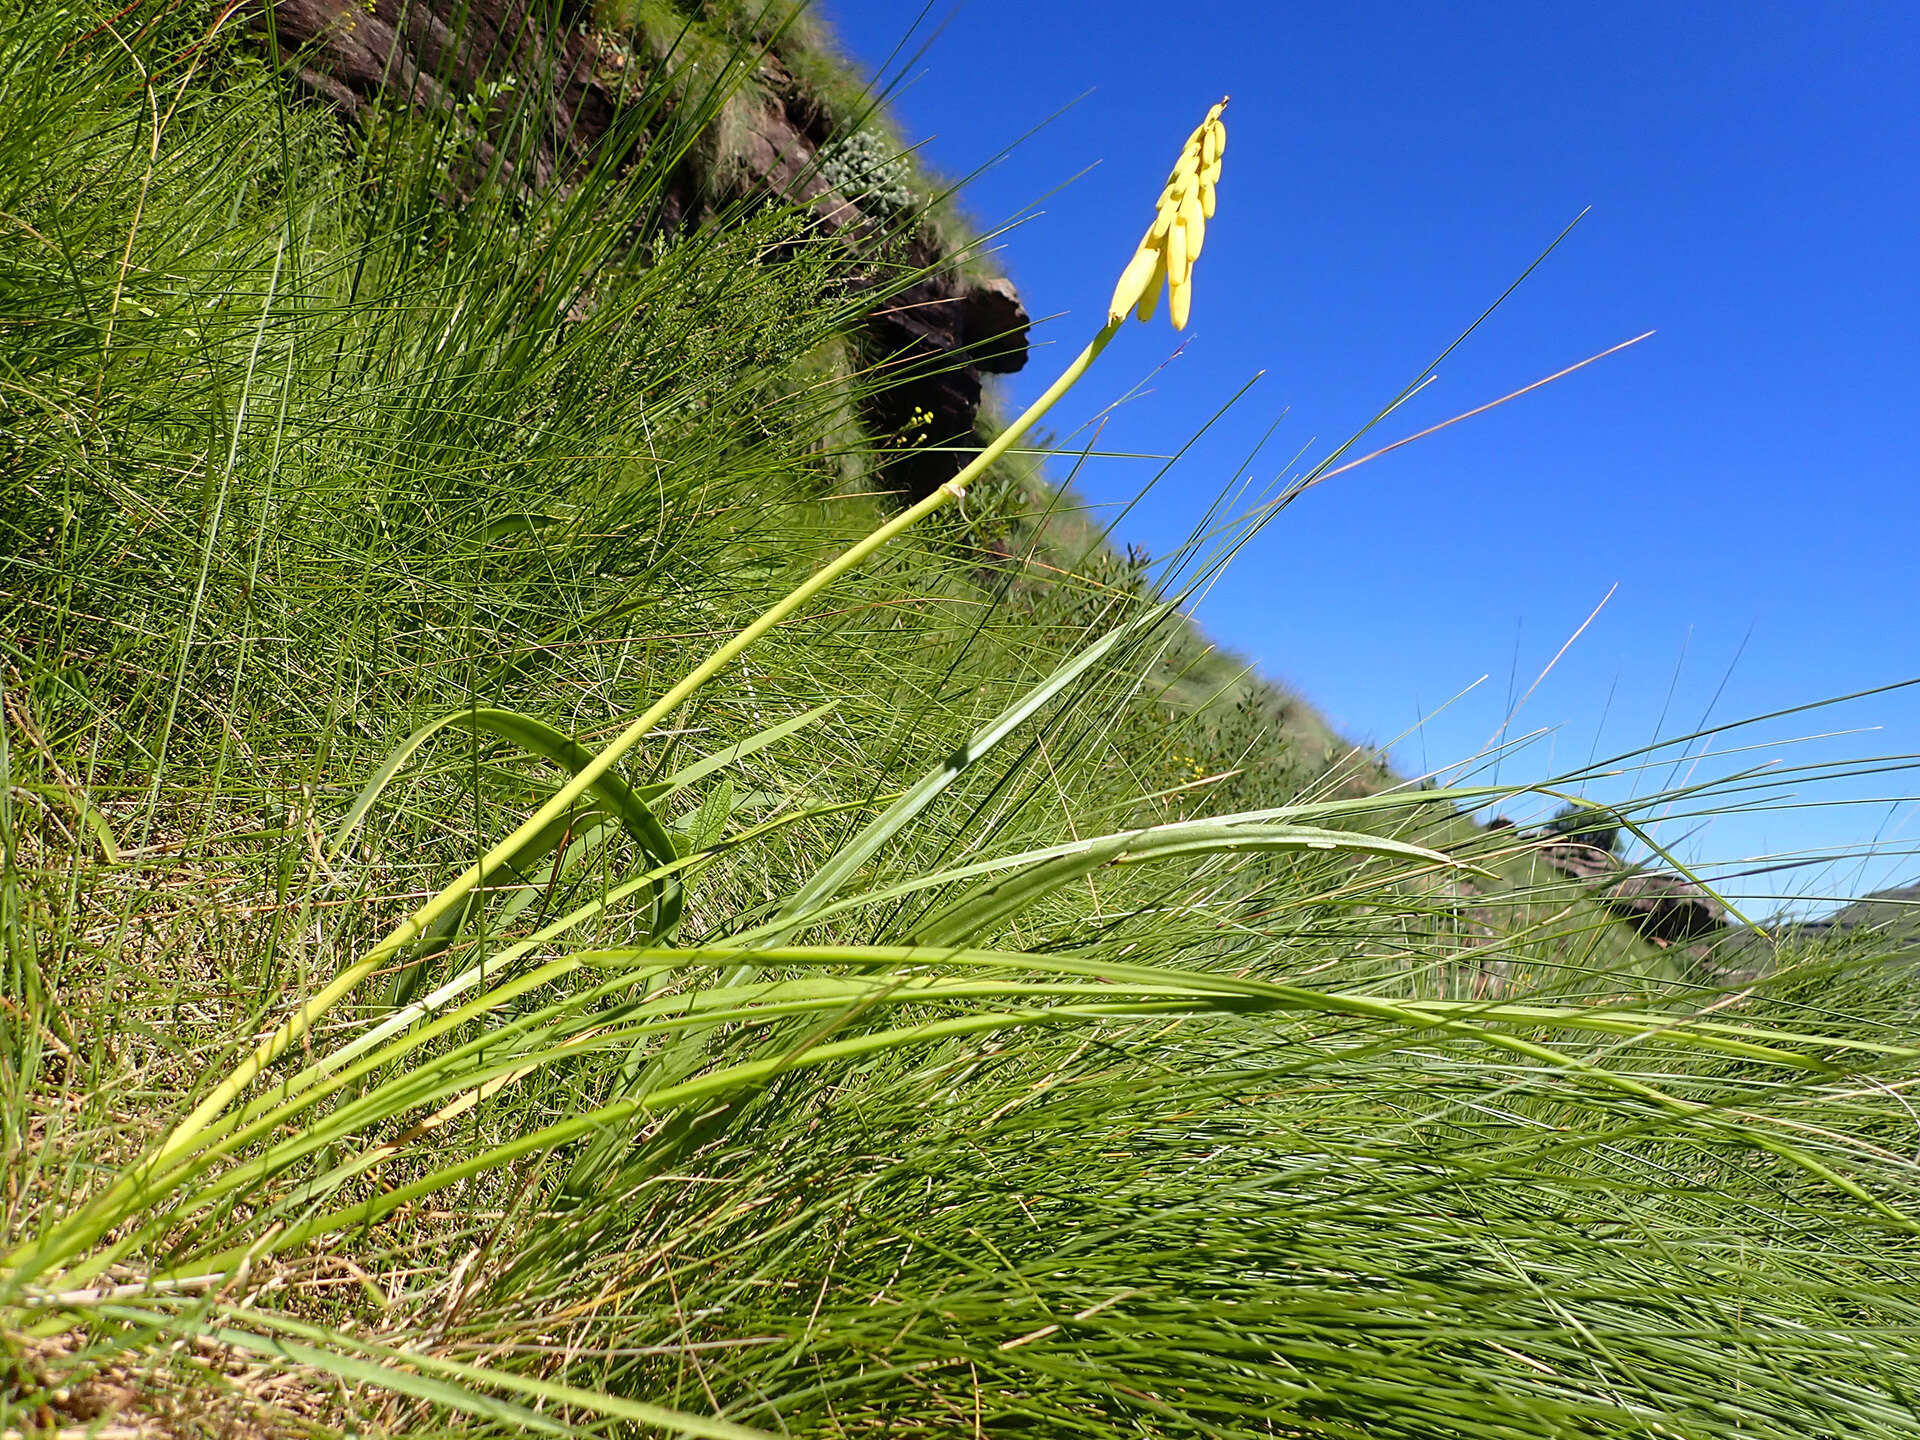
(1173, 243)
(918, 421)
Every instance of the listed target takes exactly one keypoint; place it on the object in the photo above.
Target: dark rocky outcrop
(933, 343)
(1666, 908)
(1669, 909)
(938, 345)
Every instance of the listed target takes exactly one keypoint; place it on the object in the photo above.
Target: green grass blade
(848, 859)
(450, 1383)
(998, 901)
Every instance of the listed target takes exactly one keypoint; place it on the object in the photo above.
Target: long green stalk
(410, 929)
(77, 1231)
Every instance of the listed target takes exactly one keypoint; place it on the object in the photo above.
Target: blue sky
(1746, 477)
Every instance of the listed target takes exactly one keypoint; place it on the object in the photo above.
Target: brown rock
(996, 327)
(933, 342)
(1664, 907)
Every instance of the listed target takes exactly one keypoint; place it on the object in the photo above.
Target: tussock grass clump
(889, 1029)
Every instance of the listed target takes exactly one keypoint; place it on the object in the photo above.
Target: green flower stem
(140, 1181)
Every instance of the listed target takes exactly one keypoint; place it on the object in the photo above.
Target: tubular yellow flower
(1173, 242)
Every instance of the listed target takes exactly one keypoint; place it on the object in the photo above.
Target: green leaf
(720, 759)
(847, 861)
(534, 736)
(504, 526)
(710, 821)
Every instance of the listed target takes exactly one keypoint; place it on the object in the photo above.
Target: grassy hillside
(972, 1012)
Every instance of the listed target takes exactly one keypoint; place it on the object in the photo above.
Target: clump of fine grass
(895, 1041)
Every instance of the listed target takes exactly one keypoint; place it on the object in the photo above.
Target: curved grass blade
(1134, 991)
(1169, 838)
(999, 901)
(543, 740)
(537, 738)
(86, 813)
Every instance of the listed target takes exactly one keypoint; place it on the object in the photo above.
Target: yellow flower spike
(1173, 242)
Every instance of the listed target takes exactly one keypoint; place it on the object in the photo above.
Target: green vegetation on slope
(1270, 1125)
